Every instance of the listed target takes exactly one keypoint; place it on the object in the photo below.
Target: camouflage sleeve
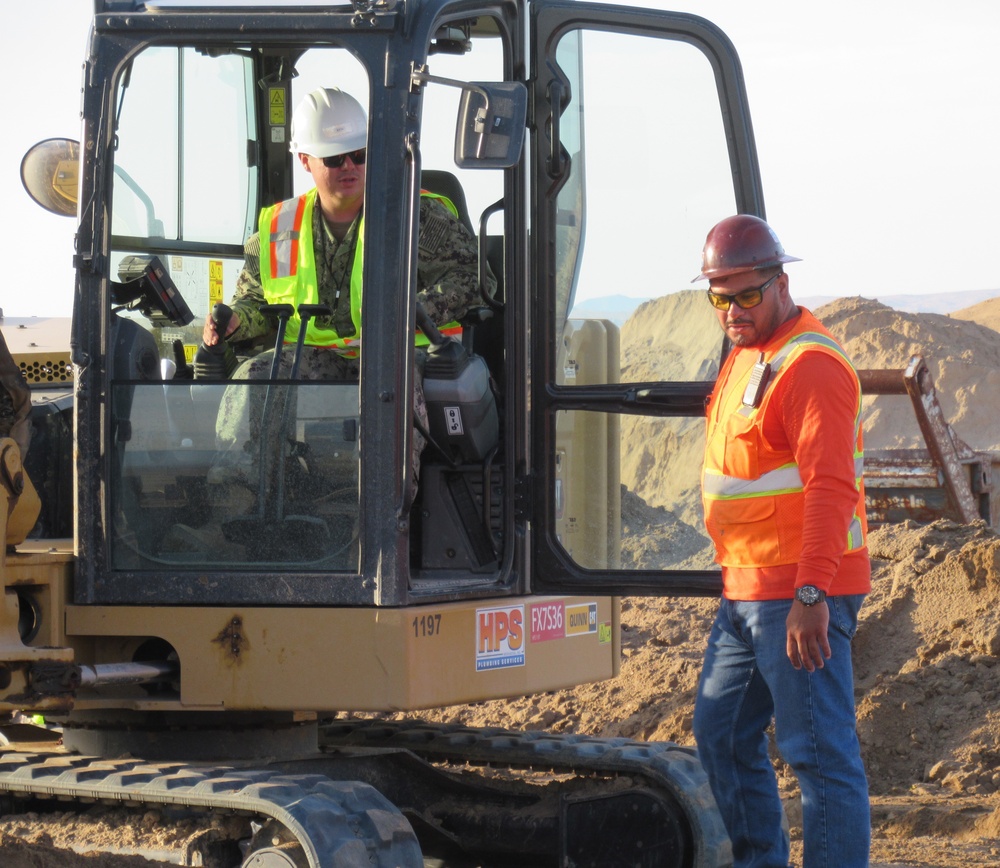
(249, 295)
(447, 264)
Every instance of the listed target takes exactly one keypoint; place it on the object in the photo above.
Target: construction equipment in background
(948, 479)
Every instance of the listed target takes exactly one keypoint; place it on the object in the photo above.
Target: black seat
(446, 184)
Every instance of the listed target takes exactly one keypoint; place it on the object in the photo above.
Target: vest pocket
(744, 530)
(742, 441)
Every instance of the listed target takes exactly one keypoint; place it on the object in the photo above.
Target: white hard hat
(328, 122)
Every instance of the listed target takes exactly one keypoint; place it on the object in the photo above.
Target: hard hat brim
(332, 149)
(729, 272)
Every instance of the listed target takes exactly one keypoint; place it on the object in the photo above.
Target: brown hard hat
(741, 243)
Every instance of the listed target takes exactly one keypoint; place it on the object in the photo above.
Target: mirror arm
(419, 77)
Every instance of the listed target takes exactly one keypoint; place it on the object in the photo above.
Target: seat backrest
(446, 184)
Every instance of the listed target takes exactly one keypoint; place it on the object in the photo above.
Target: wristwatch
(809, 595)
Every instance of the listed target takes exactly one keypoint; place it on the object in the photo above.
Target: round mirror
(49, 172)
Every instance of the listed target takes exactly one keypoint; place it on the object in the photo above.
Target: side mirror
(50, 172)
(491, 125)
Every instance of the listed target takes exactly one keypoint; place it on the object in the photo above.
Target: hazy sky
(877, 126)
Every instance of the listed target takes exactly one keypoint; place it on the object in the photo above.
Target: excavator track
(330, 823)
(669, 772)
(397, 793)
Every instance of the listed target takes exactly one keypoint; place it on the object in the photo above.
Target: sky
(877, 125)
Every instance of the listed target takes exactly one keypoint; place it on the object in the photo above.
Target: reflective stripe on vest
(783, 481)
(289, 276)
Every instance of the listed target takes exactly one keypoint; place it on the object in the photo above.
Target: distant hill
(934, 302)
(618, 308)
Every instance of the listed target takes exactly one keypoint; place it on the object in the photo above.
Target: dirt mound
(986, 313)
(963, 356)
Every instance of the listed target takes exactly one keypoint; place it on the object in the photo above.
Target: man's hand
(806, 628)
(210, 335)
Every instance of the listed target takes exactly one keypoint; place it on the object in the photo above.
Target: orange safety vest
(753, 494)
(288, 273)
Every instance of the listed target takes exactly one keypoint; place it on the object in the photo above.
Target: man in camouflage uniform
(329, 133)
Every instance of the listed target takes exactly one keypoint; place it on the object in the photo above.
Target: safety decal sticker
(499, 637)
(215, 277)
(277, 100)
(453, 421)
(581, 619)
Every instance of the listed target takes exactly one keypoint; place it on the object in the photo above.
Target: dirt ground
(927, 652)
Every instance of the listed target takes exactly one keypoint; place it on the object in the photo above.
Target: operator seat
(446, 184)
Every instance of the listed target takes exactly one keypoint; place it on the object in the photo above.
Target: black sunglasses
(358, 157)
(745, 300)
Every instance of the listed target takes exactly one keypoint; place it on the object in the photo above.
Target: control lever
(217, 362)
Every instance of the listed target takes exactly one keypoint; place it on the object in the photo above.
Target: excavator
(246, 636)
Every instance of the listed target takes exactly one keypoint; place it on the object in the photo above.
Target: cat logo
(581, 619)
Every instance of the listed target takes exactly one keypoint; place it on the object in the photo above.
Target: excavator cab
(253, 558)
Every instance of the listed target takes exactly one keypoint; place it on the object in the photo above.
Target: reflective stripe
(783, 480)
(855, 536)
(285, 229)
(799, 342)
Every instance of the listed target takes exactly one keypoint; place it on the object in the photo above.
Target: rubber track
(663, 765)
(339, 824)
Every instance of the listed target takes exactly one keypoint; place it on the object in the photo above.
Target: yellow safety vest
(288, 271)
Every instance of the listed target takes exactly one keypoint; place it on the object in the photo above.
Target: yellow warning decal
(214, 281)
(277, 100)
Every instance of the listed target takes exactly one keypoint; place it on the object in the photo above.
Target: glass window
(645, 170)
(183, 137)
(652, 520)
(649, 174)
(199, 485)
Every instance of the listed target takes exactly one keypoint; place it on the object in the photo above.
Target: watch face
(807, 595)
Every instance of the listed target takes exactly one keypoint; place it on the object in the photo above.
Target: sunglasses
(358, 157)
(745, 300)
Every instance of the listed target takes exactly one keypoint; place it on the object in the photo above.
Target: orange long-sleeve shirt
(811, 414)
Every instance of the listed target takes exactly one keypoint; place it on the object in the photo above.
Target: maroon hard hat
(741, 243)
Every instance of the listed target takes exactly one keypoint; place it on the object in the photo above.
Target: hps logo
(499, 637)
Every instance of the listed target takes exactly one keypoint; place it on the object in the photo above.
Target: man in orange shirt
(784, 505)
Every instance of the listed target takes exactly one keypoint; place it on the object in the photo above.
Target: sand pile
(963, 356)
(986, 313)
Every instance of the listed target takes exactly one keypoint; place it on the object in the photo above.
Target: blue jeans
(747, 679)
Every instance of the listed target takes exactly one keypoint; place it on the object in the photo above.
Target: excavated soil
(927, 652)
